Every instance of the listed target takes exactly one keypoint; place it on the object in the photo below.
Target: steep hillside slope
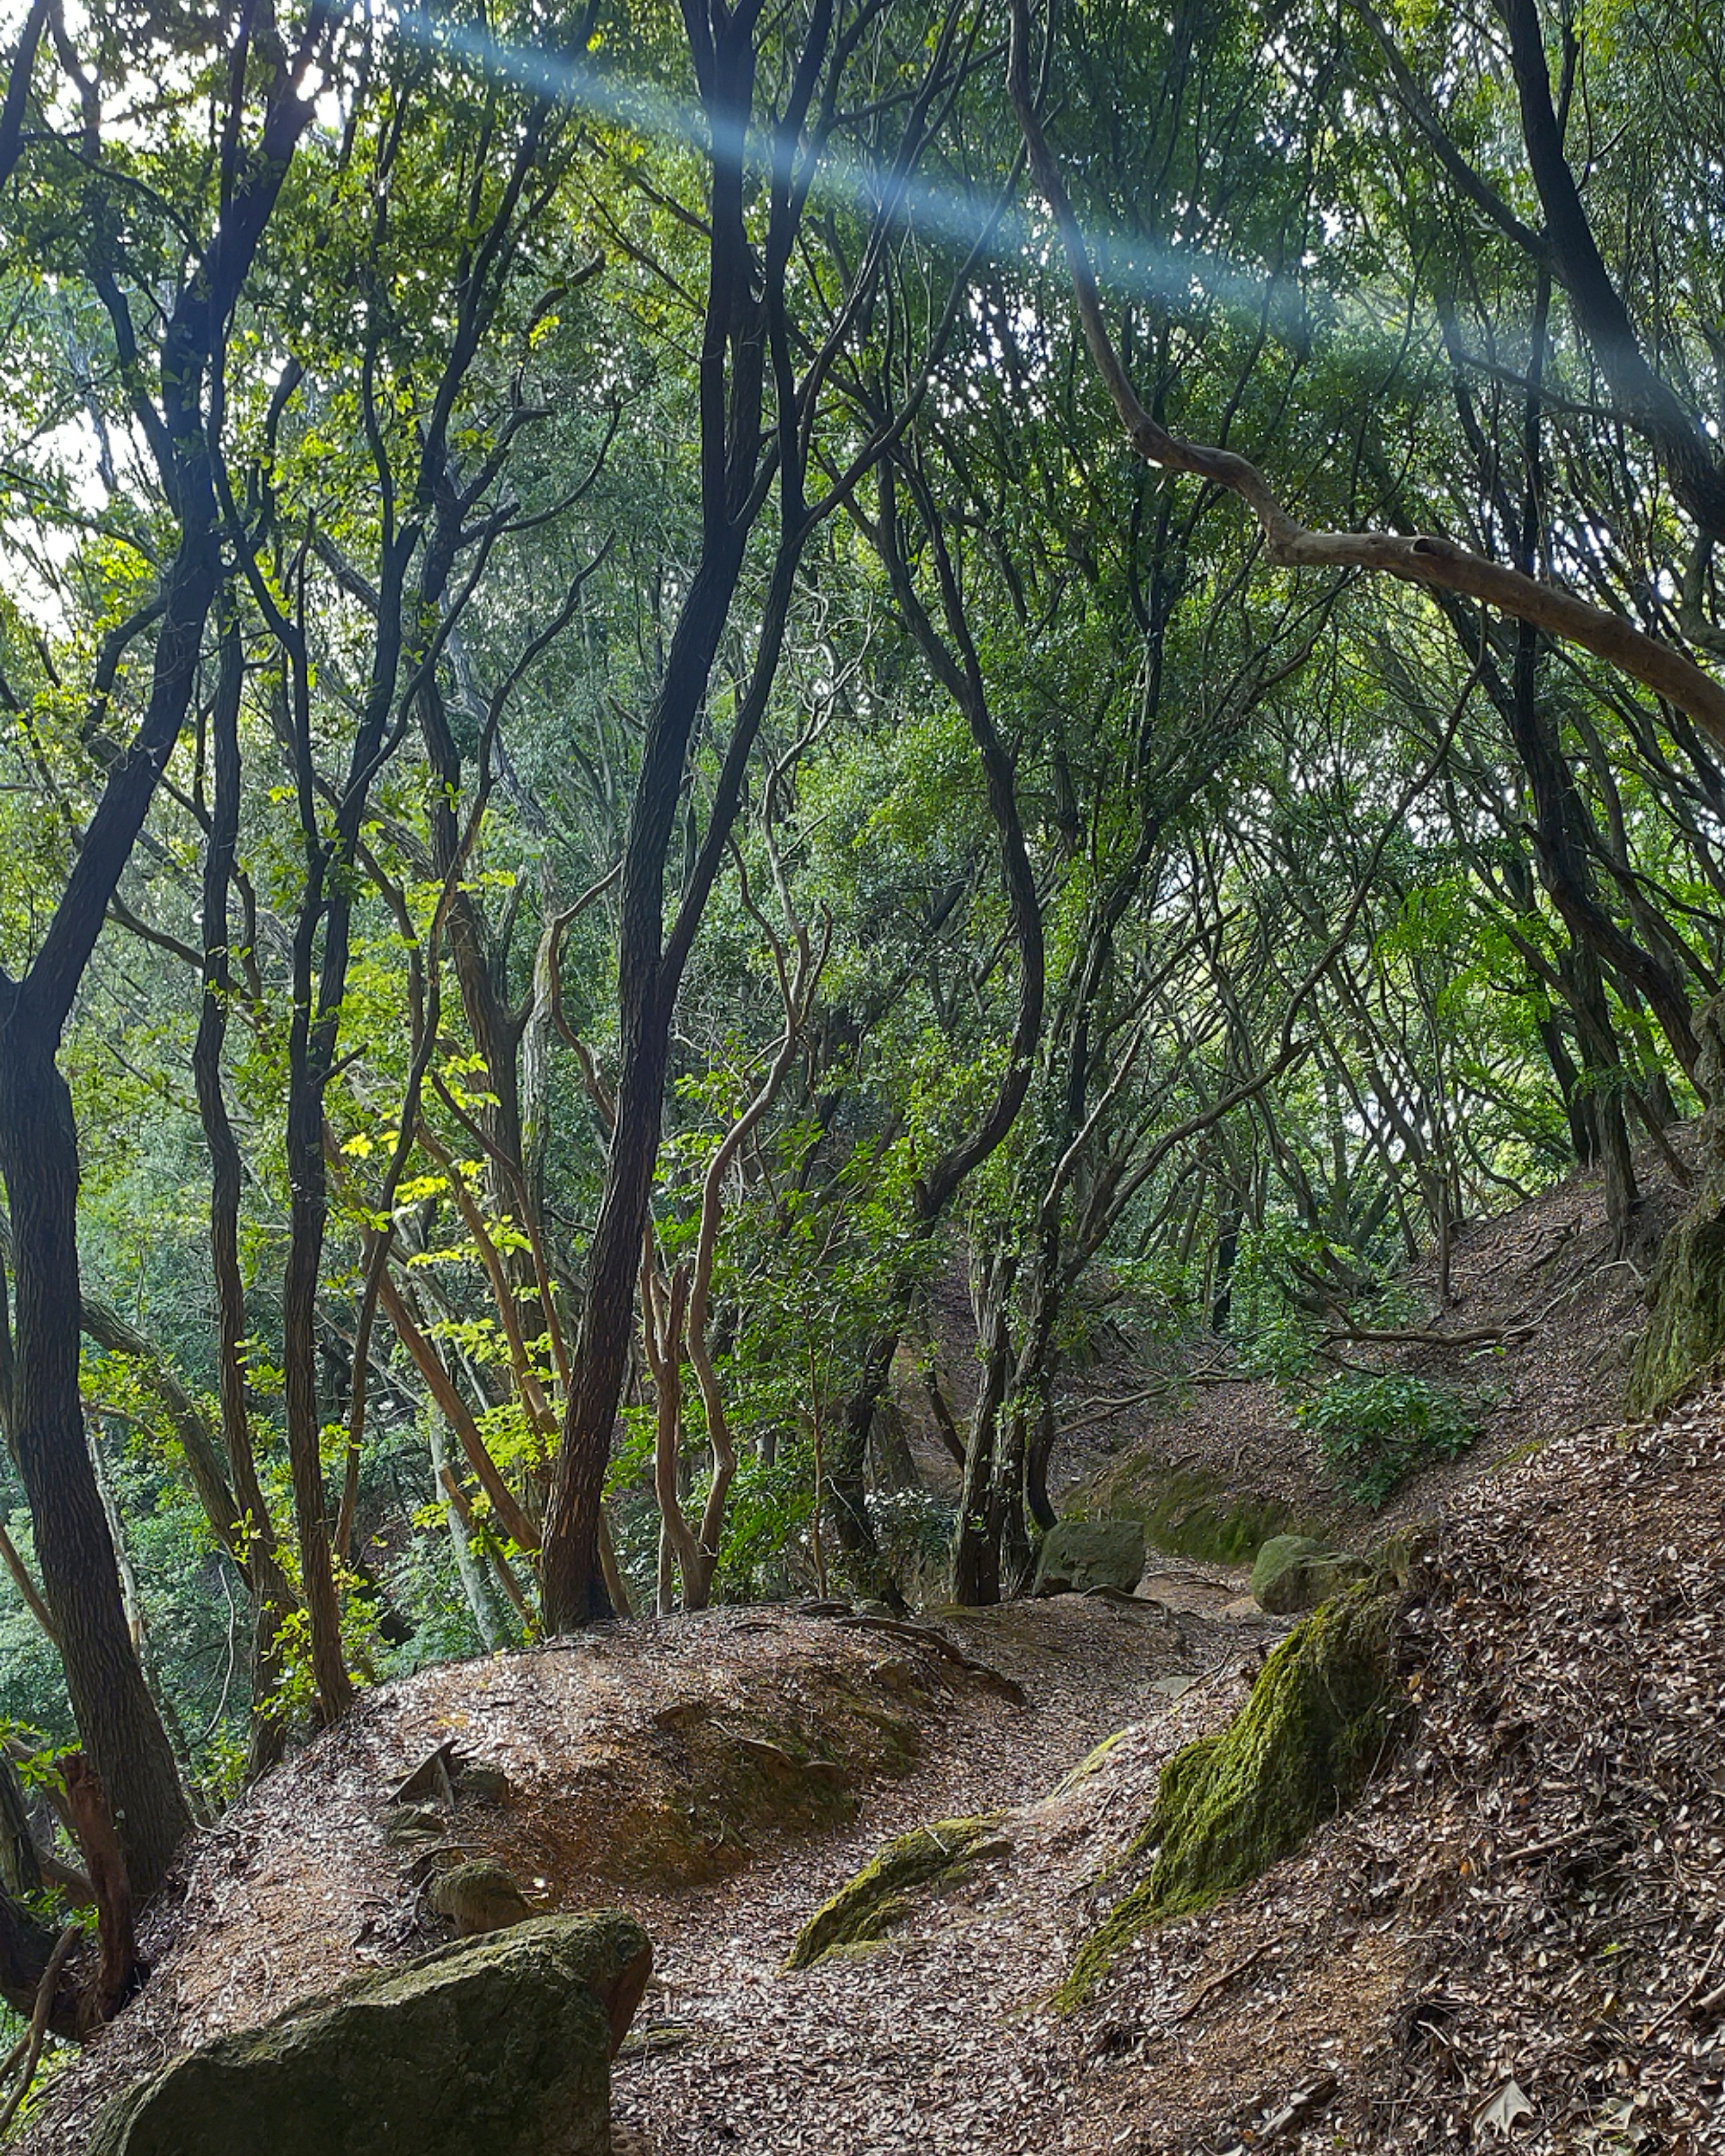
(1517, 1935)
(1538, 1327)
(1520, 1930)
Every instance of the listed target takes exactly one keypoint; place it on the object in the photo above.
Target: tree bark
(116, 1717)
(976, 1542)
(1424, 559)
(1692, 459)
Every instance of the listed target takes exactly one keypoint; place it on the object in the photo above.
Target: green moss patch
(1685, 1334)
(1188, 1514)
(887, 1888)
(729, 1774)
(1325, 1706)
(1092, 1764)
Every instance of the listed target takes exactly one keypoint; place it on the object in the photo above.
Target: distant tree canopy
(667, 674)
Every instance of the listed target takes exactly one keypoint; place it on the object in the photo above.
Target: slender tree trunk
(474, 1587)
(117, 1719)
(1604, 1099)
(1037, 1501)
(1583, 1141)
(573, 1583)
(271, 1598)
(307, 1211)
(847, 1473)
(1222, 1279)
(976, 1543)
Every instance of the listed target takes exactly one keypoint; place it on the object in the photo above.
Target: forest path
(653, 1765)
(935, 2040)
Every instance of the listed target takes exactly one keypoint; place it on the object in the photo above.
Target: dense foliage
(1053, 887)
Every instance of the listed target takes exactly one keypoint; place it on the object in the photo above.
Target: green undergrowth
(886, 1891)
(1376, 1428)
(1324, 1706)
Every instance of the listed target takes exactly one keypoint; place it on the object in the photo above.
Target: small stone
(481, 1896)
(483, 1781)
(413, 1823)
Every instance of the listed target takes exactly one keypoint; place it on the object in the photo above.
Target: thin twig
(31, 2044)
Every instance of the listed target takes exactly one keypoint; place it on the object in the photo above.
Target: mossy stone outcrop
(1078, 1555)
(1324, 1708)
(501, 2043)
(1292, 1573)
(1685, 1332)
(884, 1892)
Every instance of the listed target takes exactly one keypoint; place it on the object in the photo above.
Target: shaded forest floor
(1517, 1935)
(717, 1775)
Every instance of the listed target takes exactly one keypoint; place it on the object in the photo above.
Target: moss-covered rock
(886, 1891)
(1325, 1706)
(480, 1896)
(501, 2043)
(1685, 1332)
(1291, 1572)
(1186, 1513)
(1077, 1555)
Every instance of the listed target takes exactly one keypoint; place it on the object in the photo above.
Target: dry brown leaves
(1519, 1937)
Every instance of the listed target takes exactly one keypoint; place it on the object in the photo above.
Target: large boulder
(1079, 1554)
(501, 2043)
(1291, 1572)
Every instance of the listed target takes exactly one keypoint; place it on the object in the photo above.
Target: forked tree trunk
(976, 1542)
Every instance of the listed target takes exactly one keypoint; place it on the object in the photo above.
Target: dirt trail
(1524, 1912)
(1520, 1923)
(718, 1776)
(937, 2039)
(1517, 1937)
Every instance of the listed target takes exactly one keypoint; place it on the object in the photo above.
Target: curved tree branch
(1422, 559)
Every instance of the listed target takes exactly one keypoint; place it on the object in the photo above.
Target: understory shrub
(1374, 1431)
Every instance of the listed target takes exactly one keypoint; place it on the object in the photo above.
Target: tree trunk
(573, 1590)
(976, 1542)
(271, 1597)
(26, 1948)
(474, 1587)
(307, 1212)
(847, 1475)
(116, 1717)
